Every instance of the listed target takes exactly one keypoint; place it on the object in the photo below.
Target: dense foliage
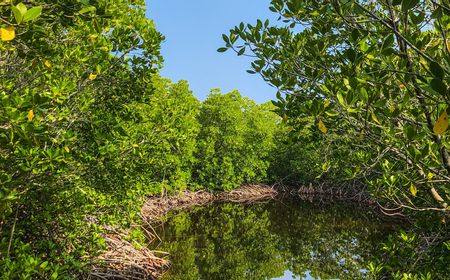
(235, 141)
(88, 128)
(366, 84)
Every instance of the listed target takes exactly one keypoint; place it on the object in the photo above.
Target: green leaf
(375, 118)
(32, 14)
(417, 19)
(364, 95)
(89, 9)
(241, 51)
(222, 49)
(438, 86)
(437, 13)
(331, 114)
(388, 41)
(225, 38)
(409, 4)
(43, 265)
(17, 14)
(22, 8)
(409, 131)
(436, 70)
(341, 99)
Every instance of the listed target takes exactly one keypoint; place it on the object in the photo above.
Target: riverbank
(127, 259)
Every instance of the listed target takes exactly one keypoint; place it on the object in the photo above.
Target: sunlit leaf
(48, 64)
(441, 124)
(22, 8)
(92, 76)
(392, 108)
(331, 114)
(322, 127)
(413, 190)
(8, 33)
(17, 14)
(340, 99)
(89, 9)
(30, 115)
(375, 118)
(32, 13)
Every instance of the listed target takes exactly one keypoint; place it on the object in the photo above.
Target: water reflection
(275, 240)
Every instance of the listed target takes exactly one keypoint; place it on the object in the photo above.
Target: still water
(289, 239)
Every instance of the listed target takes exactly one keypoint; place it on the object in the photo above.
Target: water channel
(279, 239)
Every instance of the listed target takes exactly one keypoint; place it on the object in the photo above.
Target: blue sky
(193, 31)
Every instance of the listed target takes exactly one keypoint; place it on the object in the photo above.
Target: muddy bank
(156, 207)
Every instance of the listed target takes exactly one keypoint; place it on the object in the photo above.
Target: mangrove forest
(109, 170)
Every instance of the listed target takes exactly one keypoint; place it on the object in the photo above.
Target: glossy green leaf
(438, 86)
(436, 70)
(32, 14)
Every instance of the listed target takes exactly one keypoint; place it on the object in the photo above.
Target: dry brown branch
(124, 260)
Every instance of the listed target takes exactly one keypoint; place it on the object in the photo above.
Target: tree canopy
(369, 75)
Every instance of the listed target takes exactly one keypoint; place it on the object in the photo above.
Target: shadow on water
(289, 239)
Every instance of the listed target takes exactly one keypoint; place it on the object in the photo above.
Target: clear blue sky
(193, 31)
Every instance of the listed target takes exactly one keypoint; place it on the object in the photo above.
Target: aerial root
(125, 260)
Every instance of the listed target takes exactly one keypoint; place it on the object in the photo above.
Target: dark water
(274, 240)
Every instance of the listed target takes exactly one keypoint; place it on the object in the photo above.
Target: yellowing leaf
(413, 190)
(48, 64)
(30, 115)
(135, 145)
(8, 33)
(430, 175)
(392, 108)
(326, 103)
(285, 118)
(322, 127)
(92, 38)
(402, 86)
(375, 119)
(92, 76)
(66, 149)
(441, 124)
